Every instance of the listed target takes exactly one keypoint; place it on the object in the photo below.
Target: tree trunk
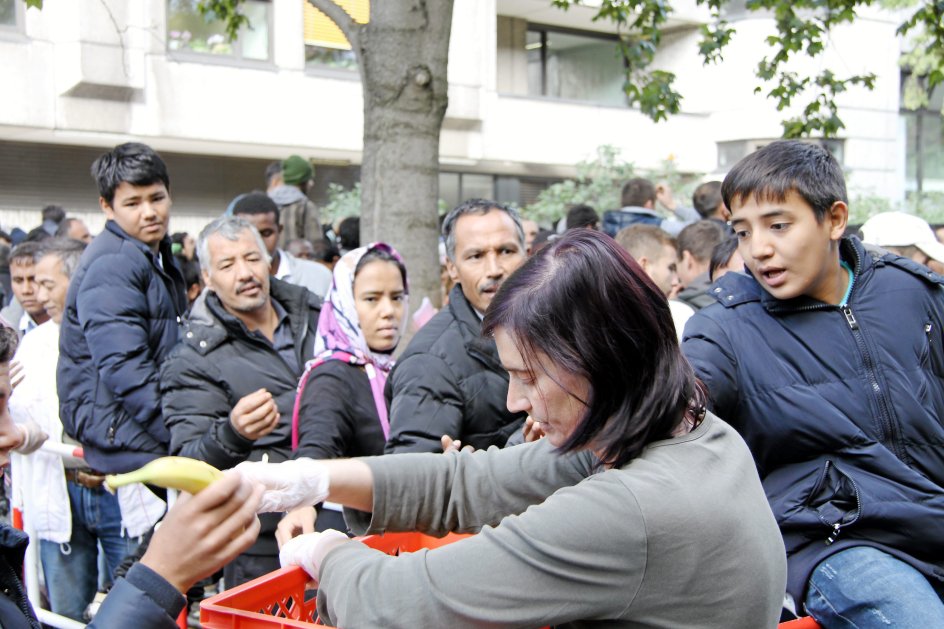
(403, 53)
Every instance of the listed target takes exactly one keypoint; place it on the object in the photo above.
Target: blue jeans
(863, 587)
(71, 569)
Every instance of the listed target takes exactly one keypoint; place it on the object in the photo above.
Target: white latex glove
(308, 551)
(290, 484)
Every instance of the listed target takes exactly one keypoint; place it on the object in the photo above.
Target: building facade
(532, 91)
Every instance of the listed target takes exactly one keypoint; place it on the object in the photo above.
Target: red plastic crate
(278, 598)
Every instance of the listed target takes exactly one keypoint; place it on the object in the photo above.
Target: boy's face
(787, 250)
(141, 211)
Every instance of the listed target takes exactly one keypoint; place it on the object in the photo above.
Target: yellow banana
(171, 472)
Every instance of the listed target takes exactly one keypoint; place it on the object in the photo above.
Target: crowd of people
(663, 415)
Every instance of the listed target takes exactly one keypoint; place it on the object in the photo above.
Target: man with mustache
(449, 385)
(228, 388)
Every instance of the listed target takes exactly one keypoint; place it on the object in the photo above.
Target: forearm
(351, 483)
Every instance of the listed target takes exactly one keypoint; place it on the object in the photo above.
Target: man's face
(487, 252)
(78, 230)
(787, 250)
(663, 270)
(239, 273)
(689, 268)
(25, 289)
(267, 227)
(141, 211)
(530, 232)
(53, 286)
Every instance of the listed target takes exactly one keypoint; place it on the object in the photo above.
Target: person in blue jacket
(123, 311)
(197, 536)
(828, 358)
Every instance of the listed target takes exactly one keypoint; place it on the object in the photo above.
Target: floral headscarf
(339, 332)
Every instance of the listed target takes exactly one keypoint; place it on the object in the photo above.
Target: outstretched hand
(202, 533)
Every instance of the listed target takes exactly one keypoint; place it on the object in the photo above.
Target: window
(325, 44)
(189, 32)
(924, 144)
(9, 15)
(573, 66)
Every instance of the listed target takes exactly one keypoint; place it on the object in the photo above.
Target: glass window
(188, 31)
(8, 13)
(325, 44)
(477, 187)
(574, 66)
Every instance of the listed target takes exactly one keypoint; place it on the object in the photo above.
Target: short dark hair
(721, 255)
(68, 250)
(349, 233)
(638, 191)
(480, 207)
(190, 269)
(382, 252)
(700, 239)
(560, 302)
(27, 252)
(273, 170)
(9, 339)
(785, 166)
(256, 202)
(133, 162)
(582, 216)
(325, 251)
(53, 213)
(707, 198)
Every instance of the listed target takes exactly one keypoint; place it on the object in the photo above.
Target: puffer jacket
(843, 408)
(449, 381)
(122, 318)
(217, 362)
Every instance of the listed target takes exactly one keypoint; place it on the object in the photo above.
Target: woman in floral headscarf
(340, 409)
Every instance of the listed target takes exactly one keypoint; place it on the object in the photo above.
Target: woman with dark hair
(340, 410)
(638, 508)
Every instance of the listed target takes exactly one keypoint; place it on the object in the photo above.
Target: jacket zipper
(838, 526)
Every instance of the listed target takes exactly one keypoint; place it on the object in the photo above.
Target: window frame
(234, 60)
(17, 30)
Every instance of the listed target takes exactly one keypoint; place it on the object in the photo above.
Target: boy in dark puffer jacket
(828, 358)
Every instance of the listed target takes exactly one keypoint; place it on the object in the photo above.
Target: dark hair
(637, 192)
(323, 250)
(256, 202)
(349, 233)
(25, 252)
(133, 162)
(787, 166)
(700, 239)
(479, 207)
(53, 213)
(178, 238)
(37, 234)
(721, 255)
(582, 216)
(382, 252)
(190, 269)
(560, 304)
(542, 239)
(273, 170)
(8, 342)
(68, 250)
(707, 198)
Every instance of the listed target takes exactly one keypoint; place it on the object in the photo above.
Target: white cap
(898, 229)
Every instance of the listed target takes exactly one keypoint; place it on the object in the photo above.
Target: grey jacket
(680, 537)
(299, 216)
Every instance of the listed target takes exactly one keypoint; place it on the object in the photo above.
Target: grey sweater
(680, 537)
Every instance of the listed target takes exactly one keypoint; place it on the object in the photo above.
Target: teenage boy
(123, 308)
(829, 359)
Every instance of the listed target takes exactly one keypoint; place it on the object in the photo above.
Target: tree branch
(340, 17)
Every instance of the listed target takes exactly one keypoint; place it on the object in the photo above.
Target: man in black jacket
(449, 383)
(228, 388)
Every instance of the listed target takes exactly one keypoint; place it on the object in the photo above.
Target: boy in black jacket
(828, 358)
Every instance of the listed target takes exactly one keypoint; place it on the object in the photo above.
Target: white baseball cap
(898, 229)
